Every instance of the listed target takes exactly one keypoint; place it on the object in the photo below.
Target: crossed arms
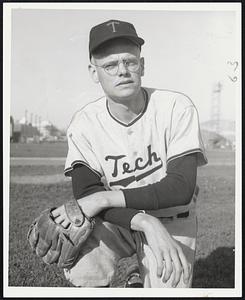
(123, 208)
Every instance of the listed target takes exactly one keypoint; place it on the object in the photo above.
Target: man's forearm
(113, 198)
(95, 203)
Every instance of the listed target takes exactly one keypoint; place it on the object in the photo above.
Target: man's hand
(167, 251)
(90, 205)
(60, 216)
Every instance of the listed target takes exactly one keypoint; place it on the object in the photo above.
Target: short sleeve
(80, 153)
(185, 135)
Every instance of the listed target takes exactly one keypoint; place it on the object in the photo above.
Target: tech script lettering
(139, 164)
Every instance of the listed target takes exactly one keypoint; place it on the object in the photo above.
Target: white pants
(109, 243)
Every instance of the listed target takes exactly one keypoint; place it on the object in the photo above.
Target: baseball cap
(112, 29)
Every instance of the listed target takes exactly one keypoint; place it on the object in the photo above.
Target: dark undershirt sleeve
(85, 182)
(119, 215)
(175, 189)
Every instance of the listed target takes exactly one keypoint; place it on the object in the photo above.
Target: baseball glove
(56, 244)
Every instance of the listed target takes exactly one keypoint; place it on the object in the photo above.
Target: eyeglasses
(112, 67)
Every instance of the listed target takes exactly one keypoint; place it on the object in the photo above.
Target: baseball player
(133, 157)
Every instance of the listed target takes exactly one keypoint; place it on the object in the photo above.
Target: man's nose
(122, 69)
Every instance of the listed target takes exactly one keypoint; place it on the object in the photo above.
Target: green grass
(214, 265)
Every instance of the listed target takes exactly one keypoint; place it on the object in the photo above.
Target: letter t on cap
(113, 23)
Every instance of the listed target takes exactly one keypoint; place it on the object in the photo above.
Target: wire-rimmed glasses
(112, 67)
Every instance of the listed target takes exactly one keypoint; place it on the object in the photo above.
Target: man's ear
(142, 66)
(93, 73)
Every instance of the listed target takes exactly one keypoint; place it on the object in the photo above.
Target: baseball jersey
(134, 154)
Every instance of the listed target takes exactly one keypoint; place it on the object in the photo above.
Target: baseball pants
(109, 243)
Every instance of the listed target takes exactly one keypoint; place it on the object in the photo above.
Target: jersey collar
(134, 120)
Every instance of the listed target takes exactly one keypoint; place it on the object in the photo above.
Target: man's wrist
(113, 199)
(95, 199)
(95, 203)
(140, 221)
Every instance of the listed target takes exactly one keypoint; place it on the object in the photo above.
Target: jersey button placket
(133, 147)
(132, 150)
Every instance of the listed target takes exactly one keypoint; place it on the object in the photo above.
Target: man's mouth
(124, 82)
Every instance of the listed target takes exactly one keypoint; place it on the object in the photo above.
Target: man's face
(125, 84)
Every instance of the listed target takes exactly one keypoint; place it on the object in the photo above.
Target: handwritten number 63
(234, 63)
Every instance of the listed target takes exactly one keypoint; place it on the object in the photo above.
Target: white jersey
(135, 154)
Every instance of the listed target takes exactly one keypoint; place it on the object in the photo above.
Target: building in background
(48, 132)
(42, 131)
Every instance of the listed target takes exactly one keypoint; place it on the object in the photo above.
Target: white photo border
(118, 292)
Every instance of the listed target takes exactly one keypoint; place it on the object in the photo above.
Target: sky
(186, 51)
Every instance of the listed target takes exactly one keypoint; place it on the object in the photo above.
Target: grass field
(38, 150)
(214, 267)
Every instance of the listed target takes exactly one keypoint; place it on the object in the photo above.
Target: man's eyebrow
(111, 61)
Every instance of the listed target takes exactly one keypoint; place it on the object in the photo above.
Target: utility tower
(215, 107)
